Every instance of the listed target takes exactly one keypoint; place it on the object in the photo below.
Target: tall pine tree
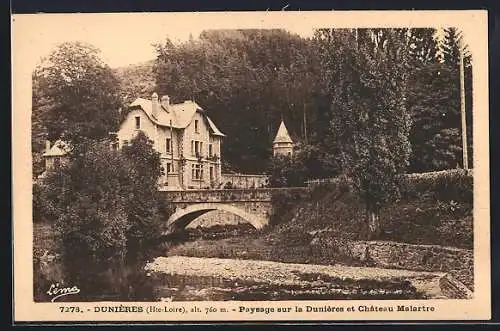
(434, 100)
(452, 42)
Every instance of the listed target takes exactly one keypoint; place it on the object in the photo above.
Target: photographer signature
(57, 292)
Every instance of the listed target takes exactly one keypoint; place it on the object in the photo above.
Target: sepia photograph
(197, 157)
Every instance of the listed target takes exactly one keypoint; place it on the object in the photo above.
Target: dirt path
(291, 273)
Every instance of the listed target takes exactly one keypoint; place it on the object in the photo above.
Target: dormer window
(196, 126)
(137, 122)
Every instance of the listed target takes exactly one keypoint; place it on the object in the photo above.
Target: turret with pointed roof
(282, 143)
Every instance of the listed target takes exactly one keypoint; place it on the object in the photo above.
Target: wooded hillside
(248, 80)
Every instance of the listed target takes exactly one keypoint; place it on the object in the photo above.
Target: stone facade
(185, 137)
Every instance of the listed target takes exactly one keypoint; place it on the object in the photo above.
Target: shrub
(286, 172)
(106, 205)
(143, 201)
(448, 185)
(284, 201)
(41, 206)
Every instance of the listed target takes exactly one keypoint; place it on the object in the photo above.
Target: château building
(188, 141)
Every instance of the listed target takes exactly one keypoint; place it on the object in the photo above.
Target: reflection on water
(132, 283)
(117, 283)
(197, 288)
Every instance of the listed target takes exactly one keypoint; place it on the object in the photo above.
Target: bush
(286, 172)
(41, 206)
(105, 204)
(448, 185)
(284, 201)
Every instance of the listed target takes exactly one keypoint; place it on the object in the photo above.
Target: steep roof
(179, 115)
(59, 148)
(282, 136)
(214, 129)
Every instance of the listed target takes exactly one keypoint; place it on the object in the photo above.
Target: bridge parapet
(226, 195)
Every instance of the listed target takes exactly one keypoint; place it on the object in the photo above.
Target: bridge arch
(184, 216)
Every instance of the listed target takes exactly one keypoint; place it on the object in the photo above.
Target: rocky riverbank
(361, 282)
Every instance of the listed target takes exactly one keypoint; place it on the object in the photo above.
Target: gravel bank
(278, 273)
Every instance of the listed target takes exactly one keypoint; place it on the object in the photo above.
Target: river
(180, 278)
(159, 277)
(129, 285)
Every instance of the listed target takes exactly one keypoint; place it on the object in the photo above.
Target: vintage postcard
(251, 166)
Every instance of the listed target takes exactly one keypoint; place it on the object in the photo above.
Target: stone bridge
(253, 205)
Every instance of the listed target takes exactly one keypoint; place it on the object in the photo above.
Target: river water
(132, 282)
(142, 286)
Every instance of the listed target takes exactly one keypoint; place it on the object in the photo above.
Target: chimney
(47, 146)
(165, 102)
(155, 105)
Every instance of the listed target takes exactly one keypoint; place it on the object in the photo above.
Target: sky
(122, 38)
(127, 38)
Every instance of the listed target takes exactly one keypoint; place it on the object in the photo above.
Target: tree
(87, 198)
(80, 94)
(434, 101)
(143, 204)
(247, 80)
(452, 42)
(308, 162)
(434, 104)
(136, 81)
(106, 205)
(367, 71)
(450, 46)
(285, 171)
(422, 46)
(40, 107)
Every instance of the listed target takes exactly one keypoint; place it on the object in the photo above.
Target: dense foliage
(434, 101)
(75, 96)
(249, 79)
(370, 120)
(448, 185)
(104, 202)
(136, 81)
(343, 95)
